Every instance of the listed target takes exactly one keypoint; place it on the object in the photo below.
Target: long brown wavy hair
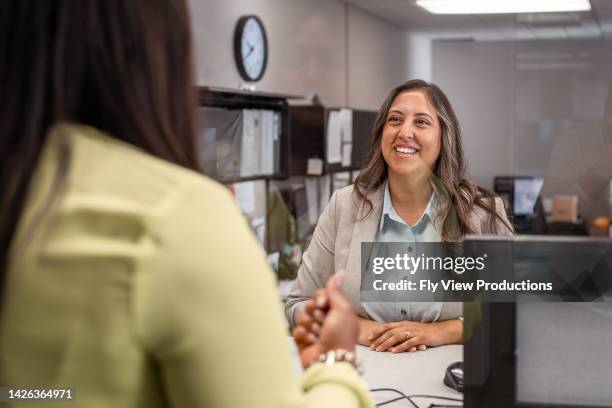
(459, 193)
(121, 66)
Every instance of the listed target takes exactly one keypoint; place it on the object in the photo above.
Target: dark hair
(121, 66)
(449, 178)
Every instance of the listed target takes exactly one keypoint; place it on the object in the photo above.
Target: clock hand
(251, 49)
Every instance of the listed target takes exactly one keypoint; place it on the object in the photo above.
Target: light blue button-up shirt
(392, 228)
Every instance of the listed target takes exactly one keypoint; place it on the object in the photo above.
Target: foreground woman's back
(124, 275)
(133, 291)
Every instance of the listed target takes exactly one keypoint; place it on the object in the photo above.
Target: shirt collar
(390, 213)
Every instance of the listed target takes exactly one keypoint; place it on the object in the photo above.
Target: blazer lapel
(364, 230)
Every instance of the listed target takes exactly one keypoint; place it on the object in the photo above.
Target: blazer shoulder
(479, 219)
(347, 200)
(345, 193)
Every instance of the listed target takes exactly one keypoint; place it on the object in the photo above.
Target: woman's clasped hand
(404, 336)
(326, 323)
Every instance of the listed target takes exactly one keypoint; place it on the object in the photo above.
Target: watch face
(252, 48)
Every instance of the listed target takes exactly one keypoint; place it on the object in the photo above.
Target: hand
(405, 336)
(309, 322)
(329, 314)
(366, 328)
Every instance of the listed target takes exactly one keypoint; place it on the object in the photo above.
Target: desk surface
(417, 373)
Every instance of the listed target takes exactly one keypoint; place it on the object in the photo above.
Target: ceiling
(596, 23)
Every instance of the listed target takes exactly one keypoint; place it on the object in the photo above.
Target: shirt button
(403, 311)
(409, 249)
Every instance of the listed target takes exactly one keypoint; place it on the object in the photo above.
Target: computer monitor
(540, 354)
(521, 196)
(526, 193)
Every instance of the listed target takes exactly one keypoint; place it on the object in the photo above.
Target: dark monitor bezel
(499, 387)
(490, 355)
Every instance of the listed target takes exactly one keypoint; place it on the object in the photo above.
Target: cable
(403, 396)
(410, 397)
(436, 397)
(394, 400)
(444, 406)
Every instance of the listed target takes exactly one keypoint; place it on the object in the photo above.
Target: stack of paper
(260, 142)
(339, 137)
(267, 143)
(251, 143)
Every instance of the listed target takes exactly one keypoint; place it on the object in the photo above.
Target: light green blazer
(141, 285)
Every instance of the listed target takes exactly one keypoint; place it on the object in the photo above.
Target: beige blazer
(336, 246)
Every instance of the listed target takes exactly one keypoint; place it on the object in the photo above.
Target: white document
(259, 226)
(324, 192)
(267, 142)
(334, 137)
(314, 167)
(245, 196)
(276, 131)
(312, 198)
(276, 120)
(249, 151)
(347, 149)
(346, 125)
(258, 140)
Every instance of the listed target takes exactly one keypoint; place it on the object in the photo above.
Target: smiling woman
(418, 115)
(413, 188)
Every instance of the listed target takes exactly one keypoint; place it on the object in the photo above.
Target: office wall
(534, 108)
(347, 56)
(478, 80)
(419, 50)
(377, 59)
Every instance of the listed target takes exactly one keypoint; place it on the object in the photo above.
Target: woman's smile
(407, 150)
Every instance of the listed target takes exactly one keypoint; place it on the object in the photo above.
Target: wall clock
(250, 48)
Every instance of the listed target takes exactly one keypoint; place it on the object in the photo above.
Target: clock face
(250, 48)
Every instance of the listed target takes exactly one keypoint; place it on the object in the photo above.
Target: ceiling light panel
(503, 6)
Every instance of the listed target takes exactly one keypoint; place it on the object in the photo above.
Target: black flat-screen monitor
(542, 354)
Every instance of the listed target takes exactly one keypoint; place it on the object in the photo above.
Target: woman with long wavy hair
(412, 188)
